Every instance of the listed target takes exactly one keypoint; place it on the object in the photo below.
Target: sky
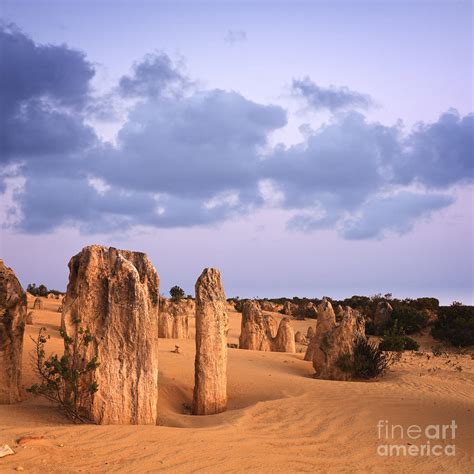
(303, 148)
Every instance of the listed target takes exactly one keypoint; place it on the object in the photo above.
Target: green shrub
(455, 324)
(367, 362)
(369, 327)
(344, 362)
(67, 381)
(410, 319)
(398, 343)
(177, 293)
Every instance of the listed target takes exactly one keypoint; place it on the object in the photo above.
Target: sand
(280, 419)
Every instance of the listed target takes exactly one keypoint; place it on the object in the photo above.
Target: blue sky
(304, 148)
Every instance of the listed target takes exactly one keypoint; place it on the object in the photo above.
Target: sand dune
(280, 419)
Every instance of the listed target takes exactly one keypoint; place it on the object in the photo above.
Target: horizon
(301, 149)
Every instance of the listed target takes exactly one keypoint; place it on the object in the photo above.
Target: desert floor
(280, 419)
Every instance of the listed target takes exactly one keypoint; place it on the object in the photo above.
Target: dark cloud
(30, 70)
(339, 165)
(331, 98)
(156, 75)
(42, 90)
(439, 154)
(37, 130)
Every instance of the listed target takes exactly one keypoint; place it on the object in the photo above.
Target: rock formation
(259, 331)
(210, 371)
(333, 340)
(29, 317)
(300, 338)
(38, 304)
(266, 305)
(12, 327)
(308, 356)
(256, 329)
(284, 341)
(173, 318)
(115, 294)
(382, 316)
(339, 312)
(309, 333)
(288, 308)
(305, 310)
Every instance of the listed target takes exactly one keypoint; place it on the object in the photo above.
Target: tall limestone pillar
(210, 376)
(115, 294)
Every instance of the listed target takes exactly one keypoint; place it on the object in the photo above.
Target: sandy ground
(280, 419)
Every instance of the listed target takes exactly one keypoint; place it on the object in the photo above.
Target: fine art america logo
(416, 440)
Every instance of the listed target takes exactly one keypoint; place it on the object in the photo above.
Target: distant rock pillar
(285, 338)
(210, 376)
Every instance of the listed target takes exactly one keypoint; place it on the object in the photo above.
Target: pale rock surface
(38, 304)
(284, 341)
(115, 294)
(12, 327)
(210, 366)
(256, 328)
(332, 340)
(173, 318)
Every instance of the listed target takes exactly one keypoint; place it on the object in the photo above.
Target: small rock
(5, 450)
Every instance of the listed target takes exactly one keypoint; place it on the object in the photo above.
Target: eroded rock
(38, 304)
(300, 338)
(256, 331)
(173, 318)
(333, 340)
(210, 376)
(284, 341)
(13, 312)
(115, 294)
(289, 308)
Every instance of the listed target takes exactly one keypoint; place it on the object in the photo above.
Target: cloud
(193, 146)
(156, 75)
(339, 165)
(397, 213)
(439, 154)
(235, 36)
(32, 70)
(332, 98)
(187, 157)
(43, 89)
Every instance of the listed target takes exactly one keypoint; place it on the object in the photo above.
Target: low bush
(367, 362)
(398, 343)
(408, 318)
(455, 324)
